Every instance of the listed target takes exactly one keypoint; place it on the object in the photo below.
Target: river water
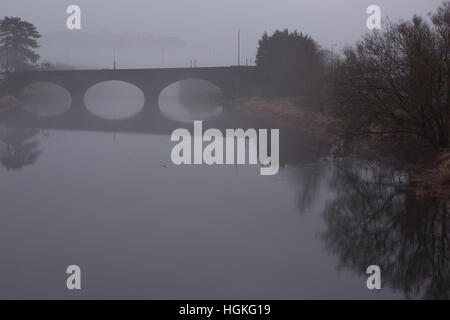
(111, 202)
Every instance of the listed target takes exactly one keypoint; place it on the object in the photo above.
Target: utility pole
(239, 47)
(7, 59)
(332, 47)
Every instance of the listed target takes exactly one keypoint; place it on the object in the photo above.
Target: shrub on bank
(444, 172)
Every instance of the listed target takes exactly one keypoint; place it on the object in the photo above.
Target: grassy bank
(429, 172)
(289, 112)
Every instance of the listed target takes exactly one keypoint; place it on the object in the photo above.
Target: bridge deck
(173, 69)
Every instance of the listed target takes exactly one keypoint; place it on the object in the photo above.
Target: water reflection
(375, 220)
(18, 147)
(185, 112)
(234, 230)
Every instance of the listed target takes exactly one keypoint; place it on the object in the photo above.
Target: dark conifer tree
(18, 39)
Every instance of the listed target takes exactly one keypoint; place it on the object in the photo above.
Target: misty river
(110, 200)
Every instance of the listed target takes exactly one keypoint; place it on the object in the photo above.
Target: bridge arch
(216, 81)
(114, 99)
(44, 98)
(233, 81)
(191, 99)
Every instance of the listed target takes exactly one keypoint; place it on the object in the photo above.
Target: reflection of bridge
(233, 81)
(294, 148)
(78, 118)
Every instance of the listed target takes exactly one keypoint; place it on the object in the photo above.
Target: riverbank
(288, 112)
(429, 172)
(7, 101)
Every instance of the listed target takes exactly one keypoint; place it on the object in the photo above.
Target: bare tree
(396, 81)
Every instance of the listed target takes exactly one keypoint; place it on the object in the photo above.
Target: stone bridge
(233, 81)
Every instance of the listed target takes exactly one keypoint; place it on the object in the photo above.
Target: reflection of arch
(113, 95)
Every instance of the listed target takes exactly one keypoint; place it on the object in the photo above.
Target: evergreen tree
(18, 39)
(293, 60)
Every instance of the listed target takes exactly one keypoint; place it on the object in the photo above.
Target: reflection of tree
(312, 178)
(305, 153)
(18, 148)
(372, 221)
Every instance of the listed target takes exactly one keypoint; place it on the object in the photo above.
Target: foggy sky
(208, 27)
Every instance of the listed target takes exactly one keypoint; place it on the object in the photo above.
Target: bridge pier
(151, 98)
(77, 99)
(151, 106)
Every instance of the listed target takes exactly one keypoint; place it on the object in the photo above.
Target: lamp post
(239, 47)
(114, 59)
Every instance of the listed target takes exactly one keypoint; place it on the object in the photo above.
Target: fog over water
(168, 33)
(104, 194)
